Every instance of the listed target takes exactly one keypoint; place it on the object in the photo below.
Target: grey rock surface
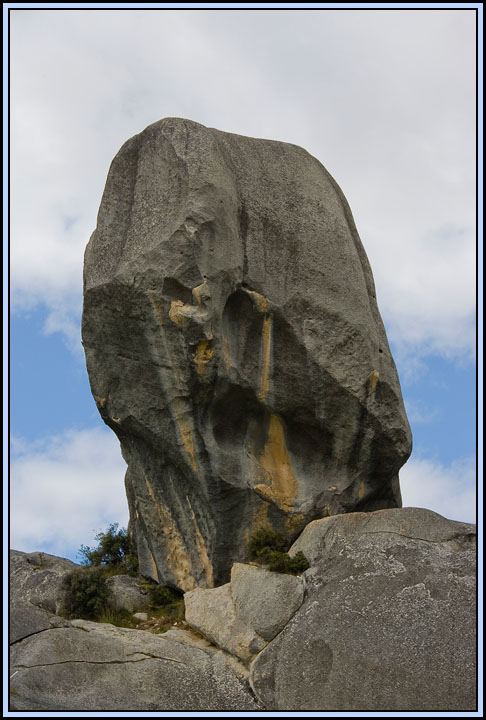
(98, 667)
(126, 593)
(234, 345)
(388, 622)
(212, 613)
(243, 615)
(26, 620)
(265, 601)
(36, 579)
(327, 537)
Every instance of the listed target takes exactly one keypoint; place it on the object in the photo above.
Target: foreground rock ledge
(386, 622)
(234, 345)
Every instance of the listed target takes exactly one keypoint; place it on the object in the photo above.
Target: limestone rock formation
(242, 616)
(383, 620)
(63, 665)
(388, 622)
(92, 666)
(234, 345)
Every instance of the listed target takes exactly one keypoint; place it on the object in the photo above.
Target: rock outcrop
(77, 665)
(234, 345)
(383, 620)
(388, 622)
(91, 666)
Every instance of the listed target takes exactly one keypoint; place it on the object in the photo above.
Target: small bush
(160, 596)
(86, 594)
(114, 551)
(265, 538)
(269, 548)
(297, 564)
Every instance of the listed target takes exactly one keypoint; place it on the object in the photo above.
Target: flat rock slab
(212, 613)
(388, 621)
(26, 620)
(265, 601)
(98, 667)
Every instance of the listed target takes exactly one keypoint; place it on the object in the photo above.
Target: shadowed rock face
(234, 345)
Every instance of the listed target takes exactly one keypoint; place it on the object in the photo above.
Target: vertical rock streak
(266, 357)
(180, 408)
(276, 465)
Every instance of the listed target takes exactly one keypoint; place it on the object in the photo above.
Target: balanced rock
(235, 347)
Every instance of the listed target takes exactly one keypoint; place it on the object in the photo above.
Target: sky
(385, 99)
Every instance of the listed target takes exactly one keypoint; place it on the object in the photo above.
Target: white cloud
(65, 489)
(385, 99)
(447, 490)
(66, 322)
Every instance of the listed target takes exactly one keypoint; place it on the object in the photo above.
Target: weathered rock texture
(388, 622)
(234, 345)
(36, 579)
(126, 593)
(62, 665)
(92, 666)
(242, 616)
(383, 620)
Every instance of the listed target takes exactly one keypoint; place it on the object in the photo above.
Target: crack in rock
(410, 537)
(102, 662)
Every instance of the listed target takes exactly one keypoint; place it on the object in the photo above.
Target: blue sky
(385, 100)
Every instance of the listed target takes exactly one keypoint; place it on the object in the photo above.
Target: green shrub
(297, 564)
(86, 594)
(269, 548)
(159, 596)
(114, 551)
(265, 538)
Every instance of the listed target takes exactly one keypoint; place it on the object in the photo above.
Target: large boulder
(234, 345)
(243, 615)
(212, 613)
(98, 667)
(388, 622)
